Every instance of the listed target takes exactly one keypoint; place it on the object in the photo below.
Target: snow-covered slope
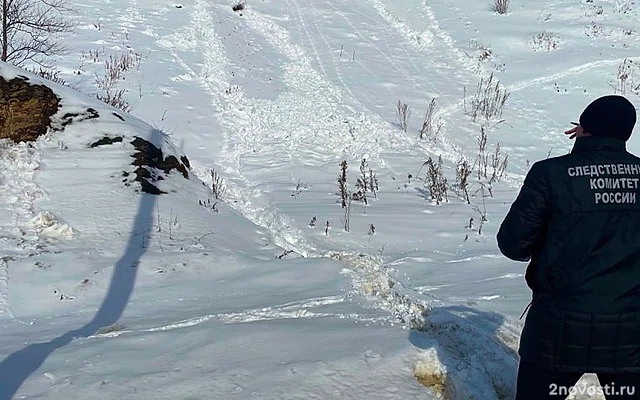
(262, 293)
(80, 245)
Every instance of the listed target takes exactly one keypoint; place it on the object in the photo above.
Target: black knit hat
(612, 116)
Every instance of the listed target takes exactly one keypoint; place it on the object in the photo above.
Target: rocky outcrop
(25, 109)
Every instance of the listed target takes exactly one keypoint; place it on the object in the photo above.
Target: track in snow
(281, 126)
(309, 97)
(294, 310)
(5, 310)
(18, 238)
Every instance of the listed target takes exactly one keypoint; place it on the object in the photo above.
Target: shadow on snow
(470, 355)
(17, 367)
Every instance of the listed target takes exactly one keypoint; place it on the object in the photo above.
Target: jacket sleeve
(525, 224)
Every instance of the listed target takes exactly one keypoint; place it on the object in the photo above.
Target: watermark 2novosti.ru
(607, 390)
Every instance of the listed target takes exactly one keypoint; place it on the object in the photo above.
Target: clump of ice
(46, 224)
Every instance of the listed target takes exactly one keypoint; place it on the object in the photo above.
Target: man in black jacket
(576, 221)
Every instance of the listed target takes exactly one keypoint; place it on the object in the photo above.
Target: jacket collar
(595, 143)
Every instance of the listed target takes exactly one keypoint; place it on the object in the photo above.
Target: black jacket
(577, 221)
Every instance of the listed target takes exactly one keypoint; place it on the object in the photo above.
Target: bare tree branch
(30, 29)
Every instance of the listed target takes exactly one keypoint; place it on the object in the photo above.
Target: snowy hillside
(248, 276)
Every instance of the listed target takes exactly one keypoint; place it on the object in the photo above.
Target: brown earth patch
(150, 162)
(25, 109)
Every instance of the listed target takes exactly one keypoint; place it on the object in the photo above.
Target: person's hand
(574, 132)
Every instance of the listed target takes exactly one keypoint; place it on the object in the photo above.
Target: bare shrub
(436, 181)
(482, 159)
(489, 100)
(628, 31)
(109, 80)
(115, 98)
(595, 10)
(500, 6)
(233, 89)
(373, 184)
(482, 212)
(403, 113)
(362, 184)
(594, 29)
(490, 167)
(29, 30)
(347, 215)
(238, 6)
(499, 164)
(49, 74)
(343, 190)
(196, 241)
(545, 41)
(218, 187)
(626, 79)
(115, 70)
(625, 6)
(173, 221)
(284, 254)
(463, 172)
(484, 52)
(624, 73)
(366, 182)
(207, 204)
(93, 55)
(430, 129)
(300, 187)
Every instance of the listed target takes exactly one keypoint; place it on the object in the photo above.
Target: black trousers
(534, 383)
